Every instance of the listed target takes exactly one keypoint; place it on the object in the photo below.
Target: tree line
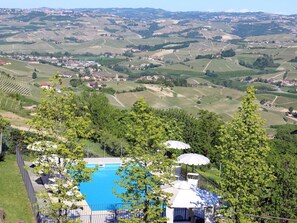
(261, 62)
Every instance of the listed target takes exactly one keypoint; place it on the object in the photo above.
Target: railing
(204, 183)
(185, 214)
(28, 185)
(100, 213)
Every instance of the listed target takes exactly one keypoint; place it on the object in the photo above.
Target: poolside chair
(177, 174)
(193, 179)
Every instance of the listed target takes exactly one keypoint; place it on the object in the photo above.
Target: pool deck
(102, 160)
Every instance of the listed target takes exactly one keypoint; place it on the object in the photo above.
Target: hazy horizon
(268, 6)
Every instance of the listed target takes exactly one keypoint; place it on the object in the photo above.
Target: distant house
(45, 85)
(94, 85)
(4, 63)
(66, 75)
(87, 77)
(32, 62)
(30, 108)
(151, 78)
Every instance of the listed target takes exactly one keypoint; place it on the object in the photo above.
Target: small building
(4, 63)
(66, 75)
(94, 85)
(45, 85)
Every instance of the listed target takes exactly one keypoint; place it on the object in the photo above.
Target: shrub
(2, 156)
(12, 139)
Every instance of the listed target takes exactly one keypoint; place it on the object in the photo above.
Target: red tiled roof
(44, 84)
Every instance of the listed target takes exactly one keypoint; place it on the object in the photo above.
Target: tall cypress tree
(244, 149)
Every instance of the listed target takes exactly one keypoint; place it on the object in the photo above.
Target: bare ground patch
(162, 53)
(161, 90)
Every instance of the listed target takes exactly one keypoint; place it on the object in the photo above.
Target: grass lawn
(14, 198)
(212, 174)
(95, 149)
(210, 177)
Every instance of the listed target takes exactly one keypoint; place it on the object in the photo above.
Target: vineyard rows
(9, 104)
(10, 85)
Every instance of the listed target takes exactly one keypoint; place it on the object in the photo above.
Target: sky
(272, 6)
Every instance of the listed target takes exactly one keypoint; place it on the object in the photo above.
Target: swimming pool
(98, 192)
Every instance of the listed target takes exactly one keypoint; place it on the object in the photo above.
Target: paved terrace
(102, 160)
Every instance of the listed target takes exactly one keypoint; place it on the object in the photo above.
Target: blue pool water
(99, 192)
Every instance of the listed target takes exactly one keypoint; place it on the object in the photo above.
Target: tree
(282, 200)
(34, 75)
(264, 61)
(201, 133)
(75, 82)
(244, 149)
(3, 124)
(147, 168)
(108, 122)
(228, 53)
(59, 124)
(293, 60)
(208, 128)
(128, 53)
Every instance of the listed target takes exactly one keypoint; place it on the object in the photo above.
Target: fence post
(91, 216)
(2, 215)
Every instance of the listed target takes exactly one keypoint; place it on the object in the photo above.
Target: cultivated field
(223, 101)
(11, 85)
(96, 36)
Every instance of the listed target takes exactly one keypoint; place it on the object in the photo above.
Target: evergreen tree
(147, 167)
(244, 149)
(209, 125)
(34, 75)
(59, 124)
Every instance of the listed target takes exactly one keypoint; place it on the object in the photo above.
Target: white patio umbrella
(173, 144)
(193, 159)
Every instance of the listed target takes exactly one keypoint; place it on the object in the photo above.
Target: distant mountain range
(153, 13)
(144, 22)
